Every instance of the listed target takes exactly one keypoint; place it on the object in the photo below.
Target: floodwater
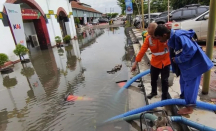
(32, 97)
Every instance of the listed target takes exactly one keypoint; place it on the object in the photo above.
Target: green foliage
(27, 71)
(9, 82)
(3, 59)
(112, 15)
(181, 3)
(158, 6)
(20, 50)
(58, 39)
(77, 20)
(67, 39)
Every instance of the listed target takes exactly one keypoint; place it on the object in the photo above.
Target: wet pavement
(32, 97)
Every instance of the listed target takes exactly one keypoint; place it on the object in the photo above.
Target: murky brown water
(31, 97)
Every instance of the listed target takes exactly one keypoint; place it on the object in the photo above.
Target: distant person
(189, 58)
(160, 62)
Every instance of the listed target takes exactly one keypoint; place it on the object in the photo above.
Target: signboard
(129, 7)
(51, 12)
(47, 16)
(85, 19)
(16, 22)
(56, 16)
(30, 14)
(69, 16)
(71, 13)
(1, 17)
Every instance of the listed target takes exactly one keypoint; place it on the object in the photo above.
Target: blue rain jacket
(190, 58)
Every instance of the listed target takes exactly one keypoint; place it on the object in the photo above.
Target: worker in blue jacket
(189, 58)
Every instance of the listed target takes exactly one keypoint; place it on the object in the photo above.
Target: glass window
(201, 10)
(193, 12)
(177, 14)
(186, 12)
(163, 14)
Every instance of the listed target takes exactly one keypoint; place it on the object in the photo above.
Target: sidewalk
(204, 117)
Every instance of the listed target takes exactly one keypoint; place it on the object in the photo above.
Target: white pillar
(72, 20)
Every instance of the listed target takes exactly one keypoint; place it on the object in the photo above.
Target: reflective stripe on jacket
(160, 52)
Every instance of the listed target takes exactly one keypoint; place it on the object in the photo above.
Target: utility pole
(143, 25)
(168, 12)
(209, 44)
(149, 19)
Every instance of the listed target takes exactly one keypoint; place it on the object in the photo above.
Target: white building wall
(7, 45)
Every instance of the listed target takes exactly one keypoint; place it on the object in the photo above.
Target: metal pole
(149, 12)
(143, 25)
(168, 11)
(209, 44)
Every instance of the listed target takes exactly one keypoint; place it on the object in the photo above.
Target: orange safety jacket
(160, 52)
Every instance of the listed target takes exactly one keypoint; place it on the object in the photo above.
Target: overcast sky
(102, 5)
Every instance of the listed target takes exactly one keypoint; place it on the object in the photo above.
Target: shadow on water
(31, 97)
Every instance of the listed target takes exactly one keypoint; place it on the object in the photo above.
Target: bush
(67, 39)
(20, 50)
(58, 39)
(3, 59)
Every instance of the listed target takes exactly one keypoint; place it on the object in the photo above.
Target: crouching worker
(190, 59)
(160, 62)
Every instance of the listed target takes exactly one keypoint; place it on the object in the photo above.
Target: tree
(181, 3)
(158, 6)
(3, 59)
(112, 15)
(21, 51)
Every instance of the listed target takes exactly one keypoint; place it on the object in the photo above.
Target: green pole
(210, 43)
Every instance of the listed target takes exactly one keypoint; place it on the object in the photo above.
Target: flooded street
(32, 97)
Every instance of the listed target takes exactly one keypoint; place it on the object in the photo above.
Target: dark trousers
(165, 71)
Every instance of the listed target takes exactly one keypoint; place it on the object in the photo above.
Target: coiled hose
(195, 125)
(199, 104)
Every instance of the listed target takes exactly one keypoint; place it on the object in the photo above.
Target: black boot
(164, 97)
(149, 96)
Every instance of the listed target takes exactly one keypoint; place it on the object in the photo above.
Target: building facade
(55, 19)
(82, 10)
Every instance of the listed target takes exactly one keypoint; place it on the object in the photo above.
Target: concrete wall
(52, 25)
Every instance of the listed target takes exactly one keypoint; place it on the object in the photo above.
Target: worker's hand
(134, 67)
(173, 59)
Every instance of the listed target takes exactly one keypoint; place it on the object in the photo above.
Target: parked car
(103, 20)
(152, 17)
(95, 22)
(185, 13)
(198, 24)
(138, 19)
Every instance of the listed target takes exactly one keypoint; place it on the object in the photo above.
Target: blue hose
(199, 104)
(191, 123)
(146, 72)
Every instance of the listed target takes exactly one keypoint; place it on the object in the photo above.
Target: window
(202, 17)
(163, 14)
(201, 10)
(186, 12)
(189, 13)
(177, 14)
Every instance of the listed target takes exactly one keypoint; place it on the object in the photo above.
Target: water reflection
(36, 101)
(88, 37)
(9, 82)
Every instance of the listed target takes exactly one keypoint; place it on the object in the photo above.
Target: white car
(198, 24)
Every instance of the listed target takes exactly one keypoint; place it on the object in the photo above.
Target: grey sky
(101, 5)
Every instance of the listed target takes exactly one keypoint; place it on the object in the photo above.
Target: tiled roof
(77, 5)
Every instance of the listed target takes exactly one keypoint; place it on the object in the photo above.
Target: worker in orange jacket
(160, 62)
